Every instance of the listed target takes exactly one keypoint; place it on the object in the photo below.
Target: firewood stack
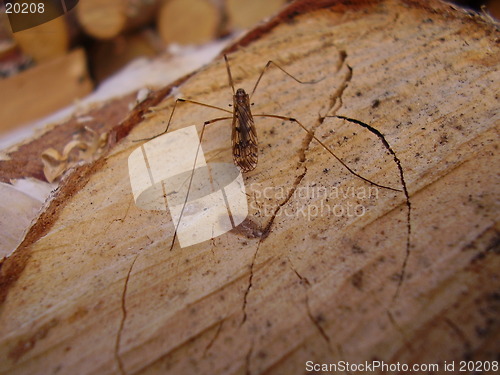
(107, 35)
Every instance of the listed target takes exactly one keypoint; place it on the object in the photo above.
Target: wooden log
(49, 153)
(20, 203)
(46, 41)
(12, 59)
(95, 287)
(43, 89)
(42, 43)
(108, 19)
(188, 21)
(244, 14)
(109, 56)
(5, 29)
(50, 39)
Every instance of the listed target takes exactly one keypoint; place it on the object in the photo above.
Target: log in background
(95, 289)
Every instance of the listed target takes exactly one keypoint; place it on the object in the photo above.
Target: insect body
(245, 144)
(244, 136)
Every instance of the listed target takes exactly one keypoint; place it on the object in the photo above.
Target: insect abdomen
(244, 137)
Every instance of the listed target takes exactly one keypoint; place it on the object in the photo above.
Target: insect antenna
(192, 175)
(231, 82)
(269, 63)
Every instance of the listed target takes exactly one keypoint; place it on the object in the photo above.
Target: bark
(406, 99)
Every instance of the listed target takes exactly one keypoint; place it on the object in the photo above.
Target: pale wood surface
(95, 289)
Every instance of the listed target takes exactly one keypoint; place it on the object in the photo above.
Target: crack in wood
(400, 331)
(337, 98)
(460, 334)
(212, 241)
(122, 219)
(316, 323)
(337, 95)
(250, 277)
(314, 320)
(247, 359)
(118, 358)
(340, 350)
(264, 235)
(212, 341)
(249, 286)
(405, 191)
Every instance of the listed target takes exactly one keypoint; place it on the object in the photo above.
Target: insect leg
(403, 181)
(192, 173)
(269, 63)
(172, 114)
(327, 149)
(386, 145)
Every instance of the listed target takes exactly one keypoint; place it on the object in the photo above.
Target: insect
(244, 139)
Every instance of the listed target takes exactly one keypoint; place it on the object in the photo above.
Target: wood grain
(95, 289)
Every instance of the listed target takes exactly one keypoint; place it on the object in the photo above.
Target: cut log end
(100, 19)
(188, 21)
(243, 14)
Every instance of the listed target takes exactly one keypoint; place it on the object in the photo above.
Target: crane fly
(244, 139)
(244, 136)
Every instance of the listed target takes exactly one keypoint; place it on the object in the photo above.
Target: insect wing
(244, 139)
